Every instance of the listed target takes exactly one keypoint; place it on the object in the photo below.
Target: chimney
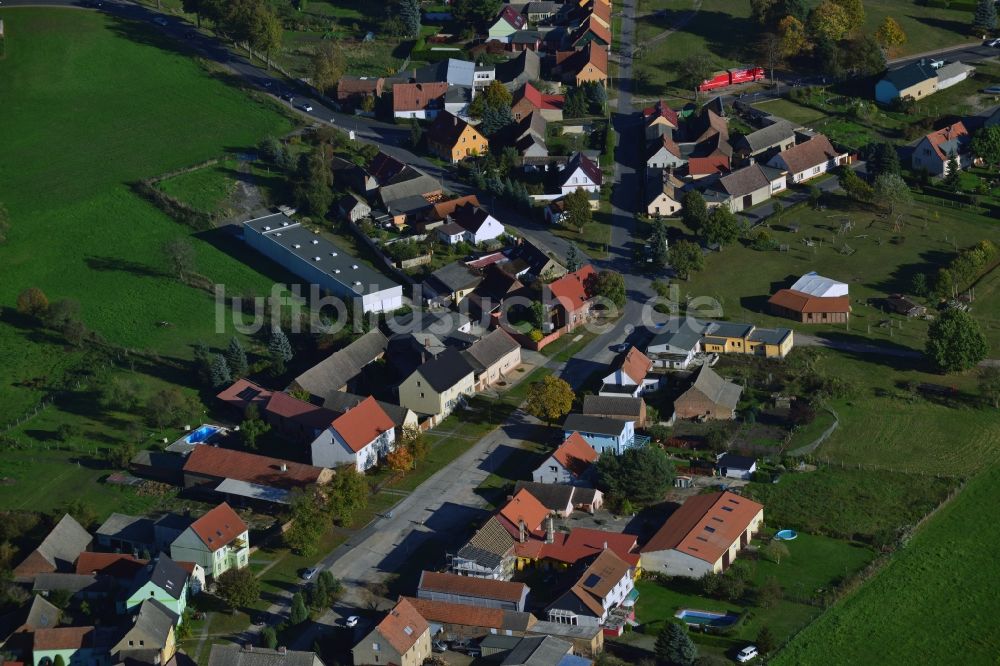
(282, 650)
(454, 120)
(284, 467)
(550, 535)
(523, 531)
(427, 343)
(605, 545)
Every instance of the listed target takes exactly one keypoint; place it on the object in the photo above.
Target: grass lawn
(594, 237)
(205, 189)
(78, 231)
(936, 598)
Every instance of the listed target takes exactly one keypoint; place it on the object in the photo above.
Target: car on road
(992, 90)
(619, 348)
(439, 646)
(307, 107)
(310, 573)
(267, 83)
(159, 20)
(995, 43)
(288, 97)
(746, 654)
(352, 621)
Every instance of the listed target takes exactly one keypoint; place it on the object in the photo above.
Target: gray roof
(553, 496)
(525, 36)
(686, 336)
(770, 136)
(446, 370)
(489, 545)
(161, 459)
(542, 6)
(253, 491)
(306, 246)
(599, 425)
(458, 95)
(733, 461)
(617, 405)
(167, 575)
(454, 277)
(332, 374)
(152, 626)
(744, 181)
(526, 67)
(771, 336)
(537, 651)
(910, 75)
(72, 583)
(341, 401)
(728, 329)
(490, 348)
(715, 388)
(401, 189)
(953, 69)
(64, 543)
(136, 529)
(454, 71)
(234, 655)
(41, 614)
(587, 632)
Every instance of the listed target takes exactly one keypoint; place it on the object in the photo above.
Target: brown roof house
(629, 375)
(624, 407)
(710, 397)
(749, 186)
(493, 357)
(418, 100)
(353, 90)
(813, 299)
(361, 437)
(57, 552)
(402, 637)
(588, 65)
(485, 592)
(452, 139)
(808, 159)
(570, 463)
(704, 535)
(467, 621)
(602, 587)
(244, 476)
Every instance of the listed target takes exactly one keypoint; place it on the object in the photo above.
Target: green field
(204, 189)
(936, 598)
(79, 127)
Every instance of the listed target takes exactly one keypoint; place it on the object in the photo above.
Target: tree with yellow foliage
(890, 34)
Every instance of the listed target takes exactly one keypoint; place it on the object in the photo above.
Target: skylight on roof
(592, 580)
(709, 528)
(408, 630)
(727, 508)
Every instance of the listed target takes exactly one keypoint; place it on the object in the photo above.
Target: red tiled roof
(468, 586)
(575, 454)
(706, 166)
(705, 526)
(575, 61)
(594, 26)
(636, 365)
(417, 96)
(583, 542)
(262, 470)
(524, 506)
(362, 424)
(571, 289)
(63, 638)
(242, 393)
(944, 135)
(219, 526)
(512, 17)
(444, 612)
(798, 301)
(403, 626)
(117, 565)
(602, 11)
(660, 110)
(187, 566)
(541, 100)
(443, 209)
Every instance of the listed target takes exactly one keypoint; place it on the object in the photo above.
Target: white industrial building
(816, 285)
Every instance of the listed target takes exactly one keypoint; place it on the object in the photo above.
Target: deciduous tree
(955, 342)
(776, 551)
(348, 494)
(299, 613)
(793, 37)
(476, 13)
(694, 211)
(642, 474)
(685, 258)
(327, 66)
(550, 399)
(890, 34)
(578, 213)
(308, 521)
(986, 144)
(400, 459)
(239, 588)
(694, 69)
(723, 226)
(252, 427)
(180, 256)
(829, 21)
(172, 407)
(609, 285)
(854, 10)
(892, 192)
(32, 302)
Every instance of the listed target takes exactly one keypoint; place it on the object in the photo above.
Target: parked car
(620, 347)
(995, 43)
(439, 646)
(307, 107)
(308, 574)
(992, 90)
(352, 621)
(746, 654)
(288, 97)
(159, 20)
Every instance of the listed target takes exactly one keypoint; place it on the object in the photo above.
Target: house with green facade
(218, 541)
(78, 646)
(165, 582)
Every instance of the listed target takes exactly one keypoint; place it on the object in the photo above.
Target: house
(630, 371)
(953, 73)
(497, 286)
(406, 185)
(562, 499)
(418, 100)
(525, 40)
(588, 65)
(79, 586)
(902, 305)
(535, 651)
(527, 136)
(452, 282)
(813, 299)
(508, 22)
(457, 621)
(402, 637)
(779, 135)
(602, 433)
(582, 545)
(360, 437)
(353, 207)
(320, 262)
(115, 565)
(452, 139)
(580, 173)
(77, 646)
(401, 417)
(709, 165)
(915, 80)
(17, 626)
(529, 99)
(342, 370)
(458, 99)
(248, 655)
(732, 466)
(473, 591)
(602, 587)
(752, 185)
(520, 70)
(541, 10)
(490, 551)
(621, 407)
(808, 159)
(164, 581)
(592, 34)
(569, 297)
(452, 71)
(663, 153)
(126, 534)
(57, 551)
(710, 397)
(659, 120)
(350, 175)
(477, 224)
(218, 541)
(526, 261)
(570, 463)
(438, 386)
(664, 193)
(493, 357)
(704, 535)
(151, 638)
(601, 12)
(196, 576)
(239, 476)
(935, 151)
(352, 90)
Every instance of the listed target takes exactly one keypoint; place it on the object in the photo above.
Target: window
(376, 647)
(553, 468)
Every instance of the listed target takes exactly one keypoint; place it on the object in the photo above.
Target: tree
(32, 302)
(495, 119)
(4, 224)
(854, 10)
(890, 34)
(674, 645)
(760, 12)
(955, 341)
(314, 192)
(253, 427)
(829, 21)
(798, 9)
(573, 257)
(953, 174)
(82, 511)
(792, 36)
(299, 613)
(597, 97)
(327, 66)
(723, 226)
(268, 34)
(179, 254)
(239, 588)
(694, 69)
(865, 56)
(171, 407)
(694, 211)
(986, 144)
(269, 638)
(278, 346)
(475, 13)
(347, 494)
(659, 244)
(550, 399)
(496, 95)
(308, 522)
(855, 187)
(776, 550)
(685, 258)
(884, 159)
(815, 196)
(575, 105)
(918, 284)
(400, 459)
(989, 384)
(236, 357)
(408, 12)
(59, 661)
(984, 21)
(218, 373)
(642, 474)
(414, 439)
(892, 192)
(769, 592)
(578, 213)
(766, 641)
(609, 285)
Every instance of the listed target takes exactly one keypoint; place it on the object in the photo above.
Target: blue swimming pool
(202, 434)
(707, 618)
(786, 535)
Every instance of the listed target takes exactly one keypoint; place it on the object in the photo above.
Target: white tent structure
(819, 286)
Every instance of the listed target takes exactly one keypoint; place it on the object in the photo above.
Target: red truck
(732, 76)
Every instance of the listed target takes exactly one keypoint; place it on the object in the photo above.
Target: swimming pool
(202, 434)
(786, 535)
(706, 618)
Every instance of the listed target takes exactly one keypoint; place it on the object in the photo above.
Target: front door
(747, 201)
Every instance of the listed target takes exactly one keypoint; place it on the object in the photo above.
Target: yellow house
(438, 386)
(152, 631)
(725, 337)
(587, 65)
(452, 139)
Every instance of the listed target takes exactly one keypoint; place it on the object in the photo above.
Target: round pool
(785, 535)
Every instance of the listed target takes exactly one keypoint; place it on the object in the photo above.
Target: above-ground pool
(706, 618)
(786, 535)
(202, 434)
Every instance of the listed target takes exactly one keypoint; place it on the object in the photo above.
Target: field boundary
(813, 445)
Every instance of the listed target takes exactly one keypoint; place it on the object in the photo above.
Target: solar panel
(592, 580)
(249, 393)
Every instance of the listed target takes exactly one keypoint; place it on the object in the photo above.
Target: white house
(579, 173)
(571, 463)
(808, 159)
(663, 153)
(218, 541)
(479, 225)
(361, 436)
(733, 466)
(451, 233)
(602, 433)
(630, 373)
(603, 586)
(935, 150)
